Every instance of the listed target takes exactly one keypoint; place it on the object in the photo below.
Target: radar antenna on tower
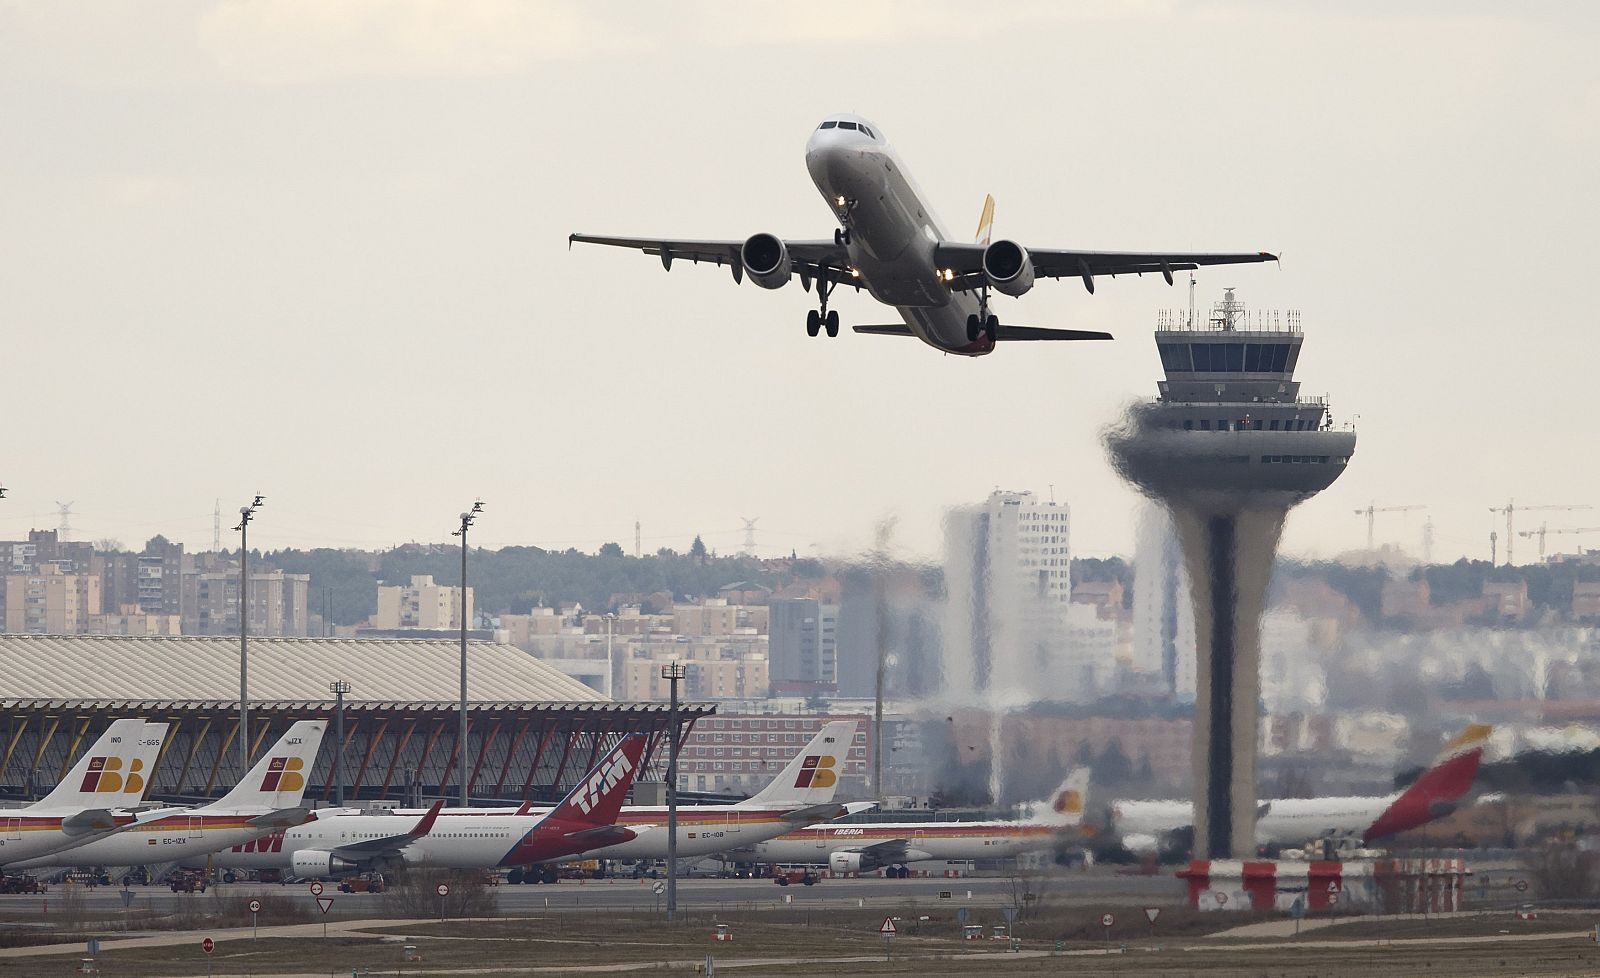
(64, 527)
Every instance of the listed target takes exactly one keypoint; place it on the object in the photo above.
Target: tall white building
(1163, 614)
(421, 604)
(1008, 583)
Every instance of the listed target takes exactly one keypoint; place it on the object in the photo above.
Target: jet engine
(851, 862)
(314, 863)
(765, 260)
(1008, 268)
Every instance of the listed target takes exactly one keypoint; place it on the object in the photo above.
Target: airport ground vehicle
(187, 881)
(21, 884)
(786, 876)
(365, 883)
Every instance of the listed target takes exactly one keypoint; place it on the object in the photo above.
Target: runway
(1066, 889)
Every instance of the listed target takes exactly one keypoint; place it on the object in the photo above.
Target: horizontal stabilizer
(1043, 333)
(1006, 334)
(283, 818)
(91, 820)
(603, 835)
(816, 813)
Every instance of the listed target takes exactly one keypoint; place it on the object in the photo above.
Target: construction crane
(1511, 509)
(1543, 529)
(1373, 509)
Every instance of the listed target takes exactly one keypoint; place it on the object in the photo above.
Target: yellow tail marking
(986, 222)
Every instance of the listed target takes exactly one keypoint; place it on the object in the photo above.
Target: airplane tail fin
(597, 799)
(1068, 803)
(278, 779)
(1437, 790)
(813, 776)
(113, 773)
(986, 222)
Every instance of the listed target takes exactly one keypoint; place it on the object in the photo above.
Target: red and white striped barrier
(1384, 885)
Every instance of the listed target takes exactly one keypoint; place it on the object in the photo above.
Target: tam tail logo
(817, 772)
(602, 781)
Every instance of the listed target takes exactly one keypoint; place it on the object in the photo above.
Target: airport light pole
(338, 688)
(611, 663)
(246, 513)
(673, 672)
(467, 519)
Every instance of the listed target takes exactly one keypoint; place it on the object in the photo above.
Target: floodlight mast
(246, 514)
(467, 520)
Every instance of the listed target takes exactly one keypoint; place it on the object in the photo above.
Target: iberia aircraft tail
(597, 799)
(1065, 806)
(278, 779)
(986, 222)
(813, 776)
(1435, 793)
(114, 773)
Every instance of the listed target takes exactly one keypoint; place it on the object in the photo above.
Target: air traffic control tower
(1228, 447)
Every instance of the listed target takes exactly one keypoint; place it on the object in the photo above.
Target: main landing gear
(823, 319)
(983, 324)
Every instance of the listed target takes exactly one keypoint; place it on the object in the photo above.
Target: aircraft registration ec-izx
(889, 242)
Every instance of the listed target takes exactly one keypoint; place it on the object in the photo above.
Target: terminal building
(533, 731)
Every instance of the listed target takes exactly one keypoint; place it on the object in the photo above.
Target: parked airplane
(89, 802)
(889, 241)
(873, 845)
(267, 798)
(340, 842)
(1146, 825)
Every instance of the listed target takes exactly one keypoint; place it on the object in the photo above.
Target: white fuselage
(893, 234)
(923, 840)
(159, 837)
(1288, 821)
(456, 842)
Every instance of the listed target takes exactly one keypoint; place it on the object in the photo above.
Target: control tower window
(1175, 357)
(1205, 426)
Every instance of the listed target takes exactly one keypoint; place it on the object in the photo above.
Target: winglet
(986, 222)
(425, 823)
(571, 238)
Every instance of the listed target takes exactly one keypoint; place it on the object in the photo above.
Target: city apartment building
(420, 604)
(50, 601)
(803, 645)
(278, 602)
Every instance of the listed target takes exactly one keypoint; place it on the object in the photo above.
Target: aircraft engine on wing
(1008, 268)
(314, 863)
(850, 862)
(766, 260)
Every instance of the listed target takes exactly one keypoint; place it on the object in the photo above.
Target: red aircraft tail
(1434, 794)
(597, 799)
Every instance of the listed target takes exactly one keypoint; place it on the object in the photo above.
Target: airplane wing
(810, 260)
(812, 814)
(369, 847)
(1009, 333)
(888, 851)
(965, 261)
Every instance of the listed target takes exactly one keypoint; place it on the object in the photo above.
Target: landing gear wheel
(991, 326)
(514, 877)
(972, 329)
(549, 876)
(831, 323)
(813, 322)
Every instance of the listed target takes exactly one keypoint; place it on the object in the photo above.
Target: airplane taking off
(1295, 821)
(889, 241)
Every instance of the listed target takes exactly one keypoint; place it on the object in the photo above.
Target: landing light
(855, 273)
(839, 200)
(949, 276)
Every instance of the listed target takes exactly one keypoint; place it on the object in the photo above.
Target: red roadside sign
(316, 888)
(888, 929)
(208, 945)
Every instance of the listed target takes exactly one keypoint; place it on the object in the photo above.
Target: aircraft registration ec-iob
(889, 241)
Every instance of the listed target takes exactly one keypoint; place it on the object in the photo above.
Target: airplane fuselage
(924, 840)
(893, 234)
(181, 835)
(1287, 821)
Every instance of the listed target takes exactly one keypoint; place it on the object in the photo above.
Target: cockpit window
(828, 125)
(847, 125)
(868, 132)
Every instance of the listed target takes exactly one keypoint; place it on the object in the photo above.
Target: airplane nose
(828, 159)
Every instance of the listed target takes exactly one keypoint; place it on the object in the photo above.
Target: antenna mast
(64, 527)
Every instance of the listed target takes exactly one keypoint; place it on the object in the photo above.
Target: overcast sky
(317, 249)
